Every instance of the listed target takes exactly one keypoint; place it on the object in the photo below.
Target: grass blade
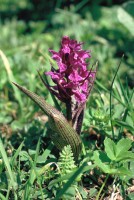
(7, 164)
(72, 178)
(2, 197)
(11, 78)
(16, 154)
(111, 90)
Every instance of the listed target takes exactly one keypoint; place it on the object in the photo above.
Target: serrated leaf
(104, 167)
(110, 148)
(127, 156)
(123, 171)
(99, 163)
(122, 146)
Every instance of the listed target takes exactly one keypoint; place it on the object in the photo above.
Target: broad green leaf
(123, 171)
(126, 19)
(123, 146)
(99, 163)
(110, 148)
(103, 157)
(126, 156)
(106, 168)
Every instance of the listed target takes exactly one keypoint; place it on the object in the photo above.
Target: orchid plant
(73, 82)
(72, 85)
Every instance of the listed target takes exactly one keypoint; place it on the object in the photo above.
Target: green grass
(30, 164)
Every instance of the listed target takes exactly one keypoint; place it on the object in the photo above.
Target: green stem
(111, 89)
(103, 185)
(78, 193)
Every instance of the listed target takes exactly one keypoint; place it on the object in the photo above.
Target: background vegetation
(28, 29)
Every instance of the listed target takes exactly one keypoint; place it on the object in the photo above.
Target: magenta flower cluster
(72, 79)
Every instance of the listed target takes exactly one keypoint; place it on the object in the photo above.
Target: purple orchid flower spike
(73, 82)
